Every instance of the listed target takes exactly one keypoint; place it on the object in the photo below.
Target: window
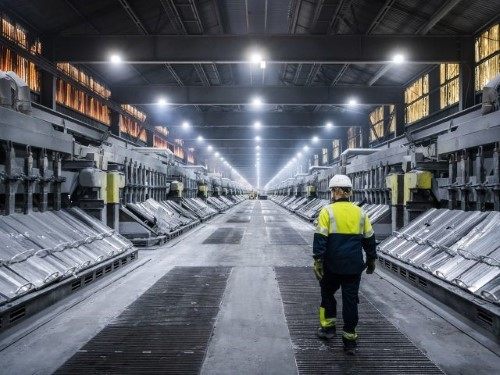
(84, 79)
(449, 84)
(336, 148)
(131, 110)
(10, 60)
(324, 159)
(26, 70)
(79, 101)
(353, 137)
(132, 128)
(377, 124)
(162, 130)
(487, 56)
(417, 100)
(381, 125)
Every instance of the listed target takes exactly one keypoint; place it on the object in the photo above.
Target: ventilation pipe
(354, 152)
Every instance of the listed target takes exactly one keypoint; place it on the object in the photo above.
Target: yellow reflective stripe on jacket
(367, 228)
(343, 218)
(332, 227)
(323, 222)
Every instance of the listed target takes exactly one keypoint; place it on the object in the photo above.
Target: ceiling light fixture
(115, 59)
(352, 102)
(257, 138)
(329, 125)
(398, 58)
(315, 139)
(162, 102)
(257, 102)
(210, 148)
(256, 57)
(185, 125)
(216, 154)
(199, 139)
(257, 147)
(257, 125)
(305, 148)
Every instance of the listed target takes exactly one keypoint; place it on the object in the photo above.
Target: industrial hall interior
(250, 187)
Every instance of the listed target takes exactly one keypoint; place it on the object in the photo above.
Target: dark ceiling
(236, 143)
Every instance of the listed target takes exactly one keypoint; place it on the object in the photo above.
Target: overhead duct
(355, 152)
(14, 92)
(491, 96)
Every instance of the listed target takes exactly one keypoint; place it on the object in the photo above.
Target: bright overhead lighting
(257, 125)
(257, 138)
(263, 64)
(221, 158)
(398, 59)
(352, 102)
(258, 153)
(305, 148)
(185, 124)
(329, 125)
(199, 138)
(257, 102)
(257, 147)
(294, 159)
(115, 59)
(315, 139)
(210, 148)
(162, 101)
(256, 58)
(216, 154)
(299, 154)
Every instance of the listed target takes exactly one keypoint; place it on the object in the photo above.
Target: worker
(342, 232)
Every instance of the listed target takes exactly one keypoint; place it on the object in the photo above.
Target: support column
(29, 181)
(48, 90)
(467, 77)
(434, 93)
(149, 138)
(43, 167)
(115, 123)
(12, 178)
(400, 115)
(48, 86)
(58, 180)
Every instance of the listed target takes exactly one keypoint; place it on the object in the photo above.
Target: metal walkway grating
(225, 236)
(165, 331)
(382, 349)
(239, 219)
(284, 236)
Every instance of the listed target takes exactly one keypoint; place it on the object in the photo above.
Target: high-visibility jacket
(343, 231)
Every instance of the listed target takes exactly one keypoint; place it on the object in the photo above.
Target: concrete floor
(251, 335)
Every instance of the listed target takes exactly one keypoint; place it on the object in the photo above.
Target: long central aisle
(231, 297)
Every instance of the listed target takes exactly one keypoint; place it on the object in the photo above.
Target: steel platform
(166, 330)
(382, 348)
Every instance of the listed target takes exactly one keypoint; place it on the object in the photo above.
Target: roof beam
(323, 49)
(236, 95)
(424, 29)
(218, 119)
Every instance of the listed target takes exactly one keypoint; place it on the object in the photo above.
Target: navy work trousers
(349, 284)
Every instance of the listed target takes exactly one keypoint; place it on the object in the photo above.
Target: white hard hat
(340, 181)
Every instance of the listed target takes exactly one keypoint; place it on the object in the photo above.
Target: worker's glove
(318, 269)
(370, 266)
